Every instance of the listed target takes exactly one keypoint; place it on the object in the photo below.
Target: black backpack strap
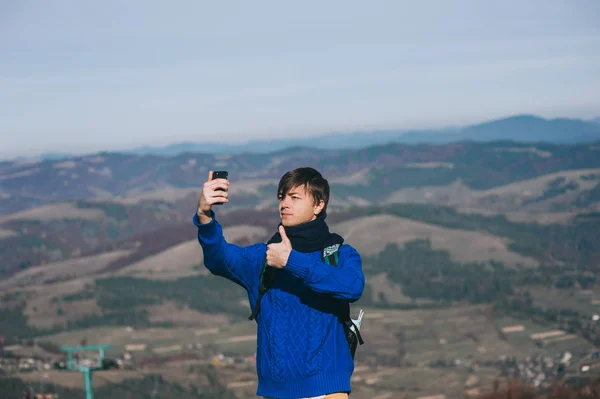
(353, 336)
(266, 279)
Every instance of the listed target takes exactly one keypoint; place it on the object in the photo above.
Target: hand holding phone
(220, 174)
(214, 192)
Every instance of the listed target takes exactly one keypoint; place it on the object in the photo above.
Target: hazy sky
(93, 75)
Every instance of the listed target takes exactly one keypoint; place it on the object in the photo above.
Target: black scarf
(309, 237)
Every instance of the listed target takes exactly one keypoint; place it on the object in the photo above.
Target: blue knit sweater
(301, 346)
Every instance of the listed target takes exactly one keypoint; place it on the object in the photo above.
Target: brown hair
(311, 180)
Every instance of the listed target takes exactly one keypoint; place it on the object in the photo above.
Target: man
(302, 351)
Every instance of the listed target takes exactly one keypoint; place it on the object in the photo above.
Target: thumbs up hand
(278, 254)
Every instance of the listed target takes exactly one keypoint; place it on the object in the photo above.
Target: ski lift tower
(86, 369)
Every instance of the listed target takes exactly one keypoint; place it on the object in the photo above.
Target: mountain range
(472, 250)
(528, 128)
(110, 196)
(363, 174)
(519, 128)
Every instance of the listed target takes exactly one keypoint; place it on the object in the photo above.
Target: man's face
(298, 206)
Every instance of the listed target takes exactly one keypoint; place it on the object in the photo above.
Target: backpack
(330, 256)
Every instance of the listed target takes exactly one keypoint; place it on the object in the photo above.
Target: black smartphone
(219, 174)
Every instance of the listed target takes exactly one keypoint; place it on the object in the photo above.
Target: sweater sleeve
(344, 281)
(241, 265)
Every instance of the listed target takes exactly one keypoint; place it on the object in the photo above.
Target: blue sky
(87, 76)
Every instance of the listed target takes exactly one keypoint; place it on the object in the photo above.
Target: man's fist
(278, 254)
(213, 191)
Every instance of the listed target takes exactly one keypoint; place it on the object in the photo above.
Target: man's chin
(285, 222)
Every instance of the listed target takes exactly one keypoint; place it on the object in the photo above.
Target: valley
(482, 263)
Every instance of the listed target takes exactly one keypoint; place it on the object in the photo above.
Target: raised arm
(239, 264)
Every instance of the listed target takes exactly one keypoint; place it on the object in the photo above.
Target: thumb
(284, 237)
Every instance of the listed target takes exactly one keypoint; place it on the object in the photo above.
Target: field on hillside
(369, 235)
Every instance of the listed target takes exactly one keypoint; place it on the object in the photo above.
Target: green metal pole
(70, 360)
(101, 350)
(87, 376)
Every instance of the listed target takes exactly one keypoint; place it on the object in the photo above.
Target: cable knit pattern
(314, 342)
(302, 351)
(279, 338)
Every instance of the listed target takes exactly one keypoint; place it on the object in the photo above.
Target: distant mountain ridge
(533, 129)
(520, 128)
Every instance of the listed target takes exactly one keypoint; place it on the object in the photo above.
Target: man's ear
(319, 207)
